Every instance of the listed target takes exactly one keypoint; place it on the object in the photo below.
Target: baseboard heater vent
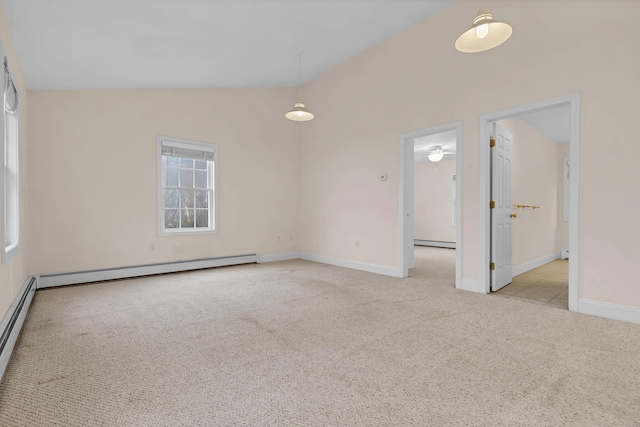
(62, 279)
(13, 320)
(434, 243)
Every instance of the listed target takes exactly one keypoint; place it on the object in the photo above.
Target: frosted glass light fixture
(299, 112)
(484, 34)
(436, 155)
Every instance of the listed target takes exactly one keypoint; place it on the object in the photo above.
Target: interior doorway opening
(530, 234)
(565, 110)
(430, 184)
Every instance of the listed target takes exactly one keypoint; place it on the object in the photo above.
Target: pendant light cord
(299, 73)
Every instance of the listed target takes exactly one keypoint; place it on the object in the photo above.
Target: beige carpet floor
(303, 344)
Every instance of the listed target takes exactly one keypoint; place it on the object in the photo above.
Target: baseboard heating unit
(13, 320)
(62, 279)
(434, 243)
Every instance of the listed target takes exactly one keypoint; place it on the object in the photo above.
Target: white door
(501, 236)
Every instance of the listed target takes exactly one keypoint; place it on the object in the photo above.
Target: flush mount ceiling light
(484, 34)
(436, 155)
(299, 113)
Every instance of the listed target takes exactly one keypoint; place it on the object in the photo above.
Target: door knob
(512, 215)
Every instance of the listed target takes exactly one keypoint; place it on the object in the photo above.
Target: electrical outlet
(357, 243)
(153, 246)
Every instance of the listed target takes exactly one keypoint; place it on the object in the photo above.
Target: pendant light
(484, 34)
(299, 113)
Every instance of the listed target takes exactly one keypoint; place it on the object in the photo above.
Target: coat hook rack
(526, 207)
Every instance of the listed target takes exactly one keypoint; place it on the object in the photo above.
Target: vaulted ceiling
(85, 44)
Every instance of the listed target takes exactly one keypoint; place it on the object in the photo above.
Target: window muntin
(187, 187)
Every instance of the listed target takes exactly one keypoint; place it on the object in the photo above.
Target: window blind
(187, 151)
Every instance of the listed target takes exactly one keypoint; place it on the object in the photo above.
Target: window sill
(186, 232)
(9, 252)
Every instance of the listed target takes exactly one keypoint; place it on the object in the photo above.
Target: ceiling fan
(436, 153)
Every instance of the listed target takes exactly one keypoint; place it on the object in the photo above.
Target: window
(186, 187)
(10, 172)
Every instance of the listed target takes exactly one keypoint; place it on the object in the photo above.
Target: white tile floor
(546, 284)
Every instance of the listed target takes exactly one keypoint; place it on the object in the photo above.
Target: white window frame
(213, 210)
(9, 210)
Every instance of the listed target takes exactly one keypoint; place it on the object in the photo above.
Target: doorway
(434, 180)
(429, 143)
(528, 174)
(572, 103)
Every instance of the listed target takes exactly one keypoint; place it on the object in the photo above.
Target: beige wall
(432, 201)
(535, 182)
(92, 156)
(92, 168)
(417, 80)
(14, 273)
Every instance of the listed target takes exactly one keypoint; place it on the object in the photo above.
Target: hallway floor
(546, 284)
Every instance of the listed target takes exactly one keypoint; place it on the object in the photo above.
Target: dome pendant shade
(484, 34)
(299, 113)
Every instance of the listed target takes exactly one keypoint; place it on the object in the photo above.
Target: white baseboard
(471, 286)
(50, 280)
(434, 243)
(610, 311)
(530, 265)
(371, 268)
(13, 320)
(277, 257)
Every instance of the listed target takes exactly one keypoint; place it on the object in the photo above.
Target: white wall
(534, 182)
(432, 201)
(92, 157)
(553, 52)
(14, 273)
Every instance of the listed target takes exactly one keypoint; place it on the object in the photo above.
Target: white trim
(484, 226)
(406, 237)
(535, 263)
(574, 203)
(566, 190)
(471, 286)
(260, 259)
(50, 280)
(355, 265)
(213, 213)
(610, 311)
(14, 318)
(434, 243)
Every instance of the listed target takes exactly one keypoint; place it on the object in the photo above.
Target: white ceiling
(554, 123)
(423, 145)
(81, 44)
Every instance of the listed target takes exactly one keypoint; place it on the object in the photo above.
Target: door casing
(573, 100)
(405, 250)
